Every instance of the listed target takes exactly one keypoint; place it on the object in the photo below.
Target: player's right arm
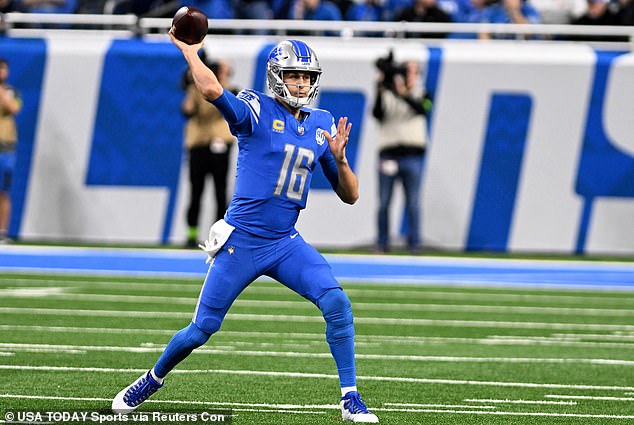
(239, 112)
(204, 78)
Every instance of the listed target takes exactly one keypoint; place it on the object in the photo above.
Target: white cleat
(353, 409)
(134, 394)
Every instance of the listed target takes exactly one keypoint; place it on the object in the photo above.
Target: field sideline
(446, 341)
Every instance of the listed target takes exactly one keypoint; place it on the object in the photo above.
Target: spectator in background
(509, 12)
(281, 9)
(476, 11)
(345, 5)
(208, 142)
(10, 105)
(392, 9)
(316, 10)
(48, 6)
(154, 8)
(626, 12)
(252, 9)
(473, 16)
(401, 108)
(365, 10)
(598, 12)
(91, 6)
(7, 6)
(214, 9)
(559, 11)
(425, 11)
(456, 9)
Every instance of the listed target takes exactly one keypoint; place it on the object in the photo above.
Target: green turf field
(425, 354)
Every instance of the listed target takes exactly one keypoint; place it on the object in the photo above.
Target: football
(190, 25)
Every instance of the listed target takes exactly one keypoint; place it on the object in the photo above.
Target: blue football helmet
(292, 55)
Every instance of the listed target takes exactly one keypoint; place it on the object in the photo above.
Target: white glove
(219, 233)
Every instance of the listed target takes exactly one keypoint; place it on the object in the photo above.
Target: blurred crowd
(584, 12)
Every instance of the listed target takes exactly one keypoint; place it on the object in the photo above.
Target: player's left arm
(347, 185)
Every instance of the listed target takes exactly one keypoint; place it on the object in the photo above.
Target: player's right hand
(184, 47)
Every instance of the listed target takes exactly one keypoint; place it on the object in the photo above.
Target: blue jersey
(276, 160)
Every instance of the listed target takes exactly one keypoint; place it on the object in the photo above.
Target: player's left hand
(339, 142)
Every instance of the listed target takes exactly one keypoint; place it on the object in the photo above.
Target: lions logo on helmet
(292, 55)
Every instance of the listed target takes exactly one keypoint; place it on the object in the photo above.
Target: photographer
(401, 109)
(208, 142)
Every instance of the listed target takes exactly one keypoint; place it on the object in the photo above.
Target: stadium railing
(37, 25)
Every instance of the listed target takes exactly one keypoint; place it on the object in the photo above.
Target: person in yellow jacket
(10, 105)
(208, 142)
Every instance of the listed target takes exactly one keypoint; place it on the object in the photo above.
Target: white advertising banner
(531, 145)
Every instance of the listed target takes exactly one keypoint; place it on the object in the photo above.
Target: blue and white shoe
(136, 393)
(353, 409)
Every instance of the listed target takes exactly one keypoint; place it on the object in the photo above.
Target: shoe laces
(140, 391)
(354, 403)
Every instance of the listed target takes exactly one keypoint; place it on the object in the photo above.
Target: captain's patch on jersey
(278, 126)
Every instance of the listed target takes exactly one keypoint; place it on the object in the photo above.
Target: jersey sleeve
(328, 162)
(242, 112)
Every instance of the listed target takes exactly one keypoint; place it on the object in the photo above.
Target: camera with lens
(390, 70)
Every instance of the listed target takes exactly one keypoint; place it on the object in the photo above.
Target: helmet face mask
(292, 56)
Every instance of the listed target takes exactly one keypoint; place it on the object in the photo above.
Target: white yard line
(318, 319)
(449, 406)
(156, 348)
(319, 337)
(323, 376)
(156, 286)
(553, 342)
(588, 397)
(95, 313)
(507, 401)
(602, 337)
(59, 294)
(497, 413)
(77, 329)
(30, 292)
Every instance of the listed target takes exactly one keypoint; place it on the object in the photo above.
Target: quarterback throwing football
(280, 141)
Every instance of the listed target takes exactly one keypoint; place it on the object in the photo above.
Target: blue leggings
(337, 312)
(180, 346)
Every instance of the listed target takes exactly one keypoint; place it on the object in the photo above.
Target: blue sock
(180, 346)
(336, 309)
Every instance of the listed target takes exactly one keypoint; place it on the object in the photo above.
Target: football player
(280, 141)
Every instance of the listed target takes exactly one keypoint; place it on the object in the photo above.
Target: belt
(7, 146)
